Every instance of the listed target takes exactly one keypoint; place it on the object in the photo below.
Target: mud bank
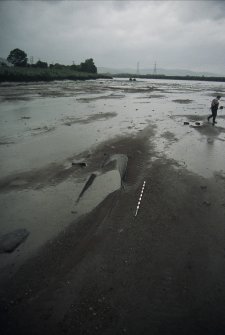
(91, 266)
(113, 273)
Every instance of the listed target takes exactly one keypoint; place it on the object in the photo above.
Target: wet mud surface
(183, 101)
(101, 116)
(93, 267)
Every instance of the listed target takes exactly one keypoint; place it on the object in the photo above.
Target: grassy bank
(38, 74)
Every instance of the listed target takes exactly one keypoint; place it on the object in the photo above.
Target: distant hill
(167, 72)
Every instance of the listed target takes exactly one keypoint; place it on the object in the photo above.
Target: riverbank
(20, 74)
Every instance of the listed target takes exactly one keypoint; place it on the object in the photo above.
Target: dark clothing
(214, 108)
(214, 114)
(215, 103)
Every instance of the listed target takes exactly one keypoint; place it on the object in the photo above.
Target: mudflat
(103, 270)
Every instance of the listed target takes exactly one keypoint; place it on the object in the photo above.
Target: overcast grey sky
(177, 34)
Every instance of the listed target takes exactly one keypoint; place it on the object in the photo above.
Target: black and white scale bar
(139, 200)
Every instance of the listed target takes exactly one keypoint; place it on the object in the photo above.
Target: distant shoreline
(149, 76)
(21, 74)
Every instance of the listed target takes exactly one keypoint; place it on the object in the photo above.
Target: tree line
(19, 59)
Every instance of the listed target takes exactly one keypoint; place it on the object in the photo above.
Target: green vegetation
(17, 57)
(162, 76)
(44, 74)
(40, 71)
(40, 64)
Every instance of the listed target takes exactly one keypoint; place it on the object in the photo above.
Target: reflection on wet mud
(37, 179)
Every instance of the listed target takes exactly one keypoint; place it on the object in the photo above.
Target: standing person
(214, 108)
